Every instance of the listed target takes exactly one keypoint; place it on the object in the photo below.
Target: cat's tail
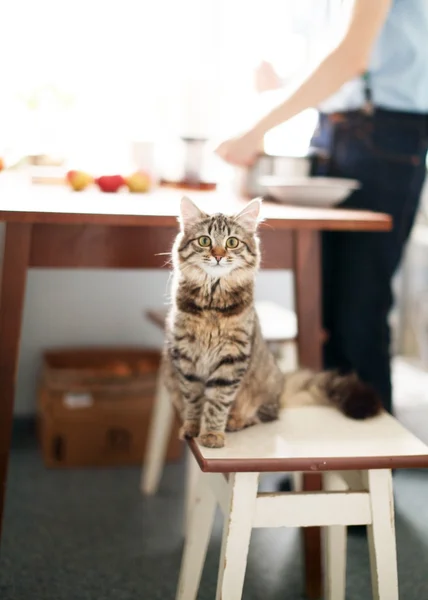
(347, 393)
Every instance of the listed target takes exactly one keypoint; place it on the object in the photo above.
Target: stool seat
(278, 324)
(315, 438)
(355, 457)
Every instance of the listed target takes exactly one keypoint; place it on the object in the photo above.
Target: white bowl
(309, 191)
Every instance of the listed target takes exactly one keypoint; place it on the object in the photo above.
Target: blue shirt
(398, 67)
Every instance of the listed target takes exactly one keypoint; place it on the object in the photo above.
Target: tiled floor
(88, 535)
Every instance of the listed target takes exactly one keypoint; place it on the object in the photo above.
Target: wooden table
(56, 228)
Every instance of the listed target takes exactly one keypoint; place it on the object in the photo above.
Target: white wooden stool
(356, 458)
(279, 327)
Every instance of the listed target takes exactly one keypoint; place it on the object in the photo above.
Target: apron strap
(368, 107)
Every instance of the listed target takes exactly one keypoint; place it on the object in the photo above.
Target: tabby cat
(216, 364)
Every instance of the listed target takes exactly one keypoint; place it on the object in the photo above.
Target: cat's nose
(218, 253)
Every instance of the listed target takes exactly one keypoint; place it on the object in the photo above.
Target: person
(372, 95)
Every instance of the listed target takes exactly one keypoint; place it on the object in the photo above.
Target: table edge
(382, 222)
(314, 465)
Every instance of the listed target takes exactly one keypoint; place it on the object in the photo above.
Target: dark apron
(386, 151)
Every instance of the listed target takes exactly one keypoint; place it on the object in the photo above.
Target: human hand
(266, 78)
(242, 150)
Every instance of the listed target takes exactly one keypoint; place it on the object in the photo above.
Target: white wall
(100, 307)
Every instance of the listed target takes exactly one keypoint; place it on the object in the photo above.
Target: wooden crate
(94, 406)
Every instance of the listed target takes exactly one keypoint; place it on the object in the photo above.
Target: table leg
(307, 274)
(14, 274)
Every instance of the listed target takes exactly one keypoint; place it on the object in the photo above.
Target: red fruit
(110, 183)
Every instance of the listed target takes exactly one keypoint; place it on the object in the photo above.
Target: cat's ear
(189, 213)
(248, 218)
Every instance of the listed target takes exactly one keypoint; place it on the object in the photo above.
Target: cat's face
(217, 245)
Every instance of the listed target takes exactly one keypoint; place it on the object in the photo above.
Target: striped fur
(216, 365)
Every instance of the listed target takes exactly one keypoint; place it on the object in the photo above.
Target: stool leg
(334, 539)
(197, 540)
(237, 528)
(192, 474)
(159, 434)
(297, 477)
(381, 535)
(312, 546)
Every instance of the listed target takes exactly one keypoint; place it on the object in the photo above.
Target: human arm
(348, 60)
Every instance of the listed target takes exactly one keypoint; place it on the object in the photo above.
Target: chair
(355, 457)
(279, 328)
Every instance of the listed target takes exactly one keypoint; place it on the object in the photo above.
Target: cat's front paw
(189, 429)
(212, 439)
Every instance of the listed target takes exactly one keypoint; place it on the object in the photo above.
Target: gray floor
(89, 535)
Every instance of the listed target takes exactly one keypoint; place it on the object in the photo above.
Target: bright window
(83, 78)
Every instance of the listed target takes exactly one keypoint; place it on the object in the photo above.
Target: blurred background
(88, 84)
(84, 82)
(88, 78)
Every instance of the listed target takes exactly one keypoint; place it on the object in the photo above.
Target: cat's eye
(204, 241)
(232, 242)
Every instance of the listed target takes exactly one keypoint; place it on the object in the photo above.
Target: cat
(218, 369)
